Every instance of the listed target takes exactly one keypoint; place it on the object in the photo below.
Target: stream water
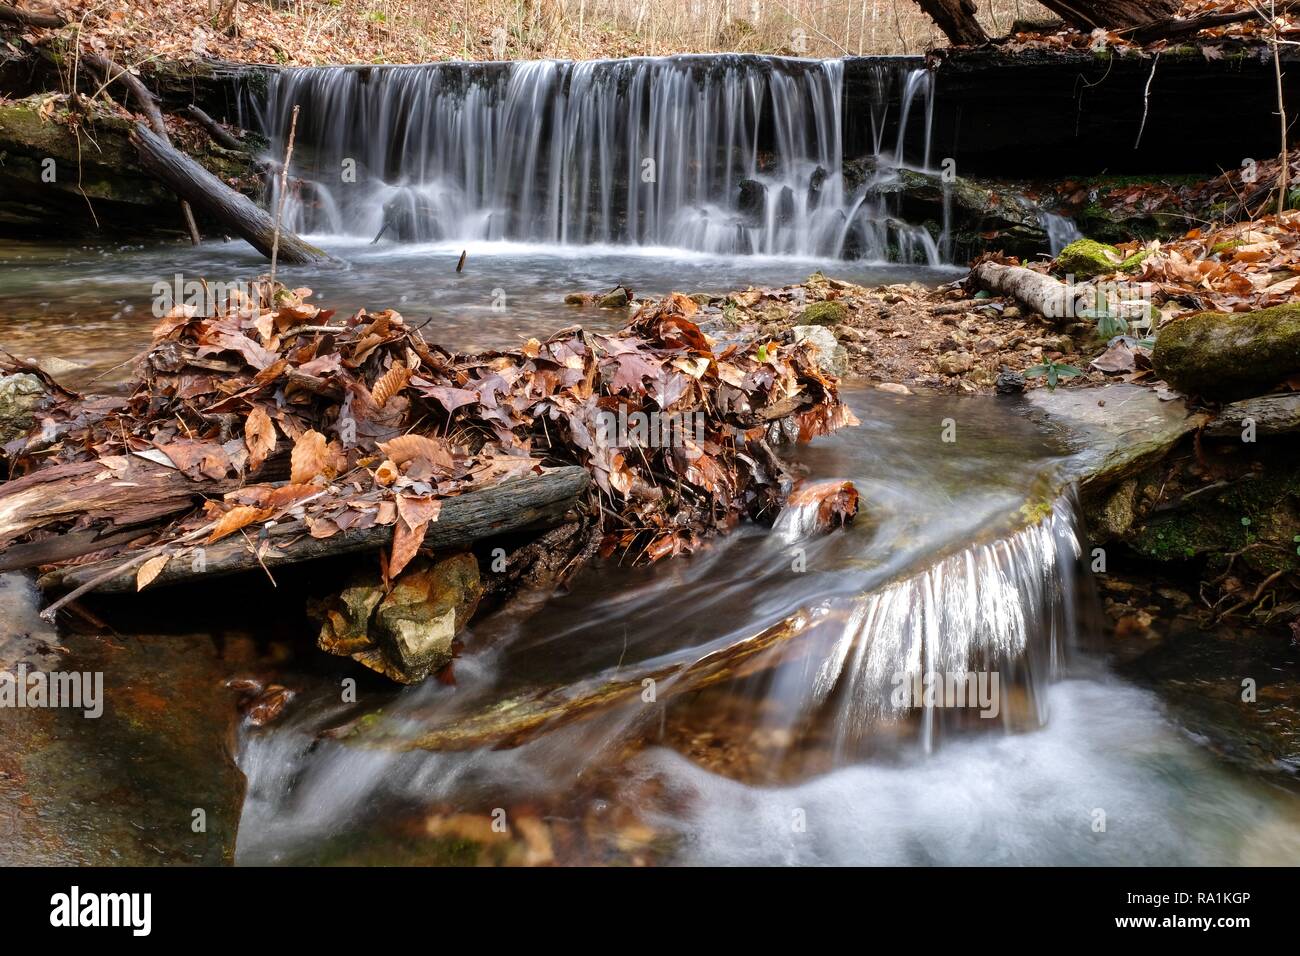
(738, 706)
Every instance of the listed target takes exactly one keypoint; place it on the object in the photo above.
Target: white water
(730, 155)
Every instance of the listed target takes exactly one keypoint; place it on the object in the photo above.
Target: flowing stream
(763, 701)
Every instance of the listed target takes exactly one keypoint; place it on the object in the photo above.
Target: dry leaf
(390, 383)
(310, 458)
(406, 544)
(404, 448)
(237, 518)
(259, 437)
(150, 570)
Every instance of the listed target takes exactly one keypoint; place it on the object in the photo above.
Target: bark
(533, 502)
(237, 212)
(956, 18)
(1112, 14)
(220, 135)
(1043, 294)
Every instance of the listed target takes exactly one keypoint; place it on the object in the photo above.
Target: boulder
(1226, 357)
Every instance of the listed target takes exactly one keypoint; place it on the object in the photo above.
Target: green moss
(1224, 357)
(1086, 258)
(824, 313)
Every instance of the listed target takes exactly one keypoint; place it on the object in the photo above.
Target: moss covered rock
(1086, 258)
(824, 313)
(1225, 357)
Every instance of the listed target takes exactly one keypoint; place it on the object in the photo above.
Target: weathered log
(27, 18)
(220, 135)
(1112, 14)
(135, 494)
(148, 105)
(518, 719)
(1041, 293)
(529, 502)
(190, 180)
(956, 18)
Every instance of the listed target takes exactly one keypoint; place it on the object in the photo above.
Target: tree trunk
(956, 18)
(1112, 14)
(537, 501)
(191, 181)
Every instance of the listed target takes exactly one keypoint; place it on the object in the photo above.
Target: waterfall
(729, 155)
(1061, 231)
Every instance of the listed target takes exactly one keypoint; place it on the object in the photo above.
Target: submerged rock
(1224, 357)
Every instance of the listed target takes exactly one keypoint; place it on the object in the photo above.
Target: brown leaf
(236, 518)
(404, 448)
(406, 544)
(259, 437)
(150, 570)
(310, 458)
(418, 510)
(390, 383)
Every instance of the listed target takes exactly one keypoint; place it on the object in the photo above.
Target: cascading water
(733, 155)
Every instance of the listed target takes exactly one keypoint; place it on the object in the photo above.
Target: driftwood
(220, 135)
(1041, 293)
(531, 502)
(235, 210)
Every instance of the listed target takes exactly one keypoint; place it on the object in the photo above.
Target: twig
(284, 185)
(1146, 101)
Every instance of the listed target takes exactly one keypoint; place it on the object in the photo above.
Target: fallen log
(1090, 15)
(516, 720)
(190, 180)
(28, 18)
(220, 135)
(532, 502)
(1041, 293)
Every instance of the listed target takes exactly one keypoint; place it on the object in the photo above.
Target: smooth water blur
(94, 306)
(717, 774)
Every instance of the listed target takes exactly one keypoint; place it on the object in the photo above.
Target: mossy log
(1225, 357)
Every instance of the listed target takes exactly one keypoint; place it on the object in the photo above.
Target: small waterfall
(731, 155)
(1003, 613)
(1061, 231)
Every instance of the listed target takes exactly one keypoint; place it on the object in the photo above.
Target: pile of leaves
(348, 424)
